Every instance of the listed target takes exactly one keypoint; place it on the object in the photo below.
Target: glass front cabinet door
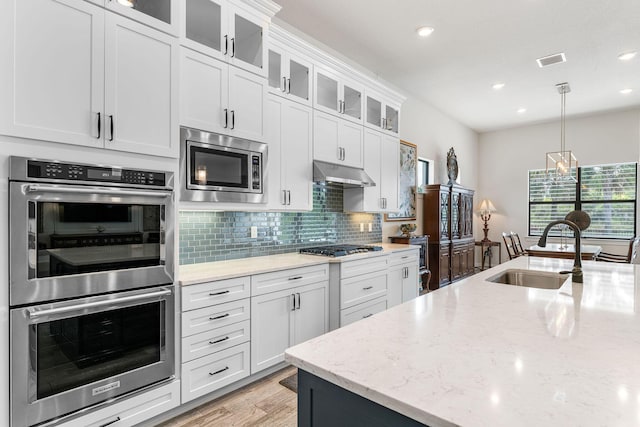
(224, 31)
(337, 95)
(289, 75)
(381, 114)
(160, 14)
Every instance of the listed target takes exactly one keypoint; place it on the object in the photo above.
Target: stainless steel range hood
(346, 175)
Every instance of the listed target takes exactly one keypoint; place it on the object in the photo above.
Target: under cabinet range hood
(348, 176)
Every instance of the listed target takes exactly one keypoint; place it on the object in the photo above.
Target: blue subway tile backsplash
(218, 236)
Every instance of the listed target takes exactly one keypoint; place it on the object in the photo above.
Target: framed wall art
(407, 185)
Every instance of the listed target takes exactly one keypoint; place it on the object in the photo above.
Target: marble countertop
(477, 353)
(205, 272)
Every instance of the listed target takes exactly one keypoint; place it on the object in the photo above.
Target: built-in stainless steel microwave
(220, 168)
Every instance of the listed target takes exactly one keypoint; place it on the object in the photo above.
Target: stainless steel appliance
(339, 250)
(91, 286)
(220, 168)
(78, 230)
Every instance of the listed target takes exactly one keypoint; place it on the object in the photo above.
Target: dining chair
(508, 243)
(632, 256)
(517, 244)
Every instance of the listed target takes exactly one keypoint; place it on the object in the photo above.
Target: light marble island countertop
(477, 353)
(191, 274)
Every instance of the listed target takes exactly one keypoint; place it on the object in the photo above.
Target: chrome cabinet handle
(219, 293)
(233, 47)
(283, 88)
(44, 188)
(219, 317)
(226, 118)
(220, 340)
(367, 315)
(288, 85)
(339, 153)
(284, 197)
(288, 197)
(111, 128)
(295, 278)
(298, 307)
(99, 125)
(226, 44)
(367, 288)
(233, 119)
(219, 371)
(293, 302)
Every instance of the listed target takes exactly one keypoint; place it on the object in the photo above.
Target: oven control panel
(77, 172)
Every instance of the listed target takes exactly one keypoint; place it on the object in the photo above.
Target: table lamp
(486, 208)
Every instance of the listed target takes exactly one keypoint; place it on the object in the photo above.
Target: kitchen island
(478, 353)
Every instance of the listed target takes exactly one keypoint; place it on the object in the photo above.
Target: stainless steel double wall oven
(91, 285)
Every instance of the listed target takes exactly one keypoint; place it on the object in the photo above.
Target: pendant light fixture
(562, 165)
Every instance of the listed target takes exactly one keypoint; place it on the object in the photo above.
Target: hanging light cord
(563, 108)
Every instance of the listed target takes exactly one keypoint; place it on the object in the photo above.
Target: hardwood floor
(263, 403)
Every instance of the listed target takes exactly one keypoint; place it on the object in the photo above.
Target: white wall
(505, 156)
(434, 133)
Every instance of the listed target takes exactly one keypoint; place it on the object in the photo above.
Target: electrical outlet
(362, 227)
(370, 227)
(254, 232)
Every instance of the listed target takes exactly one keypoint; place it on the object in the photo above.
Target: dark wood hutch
(448, 219)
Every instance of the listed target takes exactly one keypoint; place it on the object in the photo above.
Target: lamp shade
(487, 206)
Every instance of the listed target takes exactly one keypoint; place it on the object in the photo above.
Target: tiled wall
(217, 236)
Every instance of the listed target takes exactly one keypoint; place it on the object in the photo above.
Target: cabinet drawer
(286, 279)
(404, 257)
(134, 410)
(209, 373)
(206, 294)
(363, 266)
(216, 316)
(362, 288)
(216, 340)
(362, 311)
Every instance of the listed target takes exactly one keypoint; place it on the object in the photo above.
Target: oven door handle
(35, 313)
(38, 188)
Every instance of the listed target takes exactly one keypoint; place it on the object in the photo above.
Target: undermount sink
(530, 279)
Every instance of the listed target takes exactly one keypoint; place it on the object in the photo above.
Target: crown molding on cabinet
(314, 53)
(267, 7)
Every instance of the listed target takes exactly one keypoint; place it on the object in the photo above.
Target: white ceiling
(479, 42)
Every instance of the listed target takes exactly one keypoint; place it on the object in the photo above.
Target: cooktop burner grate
(339, 250)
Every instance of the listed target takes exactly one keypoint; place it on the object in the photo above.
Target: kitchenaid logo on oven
(105, 388)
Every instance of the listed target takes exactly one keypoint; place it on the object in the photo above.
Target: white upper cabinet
(382, 164)
(226, 30)
(338, 95)
(160, 14)
(218, 98)
(381, 114)
(86, 76)
(289, 177)
(336, 140)
(289, 75)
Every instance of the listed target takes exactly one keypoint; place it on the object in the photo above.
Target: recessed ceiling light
(522, 110)
(556, 58)
(626, 91)
(627, 56)
(498, 86)
(425, 31)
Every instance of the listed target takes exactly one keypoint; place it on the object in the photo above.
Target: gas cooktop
(339, 250)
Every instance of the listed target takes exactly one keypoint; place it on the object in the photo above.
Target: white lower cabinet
(209, 373)
(216, 331)
(136, 409)
(286, 310)
(363, 311)
(403, 277)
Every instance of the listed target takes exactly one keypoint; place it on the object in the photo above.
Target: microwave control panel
(77, 172)
(256, 181)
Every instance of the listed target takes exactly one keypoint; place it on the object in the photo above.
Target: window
(425, 172)
(606, 192)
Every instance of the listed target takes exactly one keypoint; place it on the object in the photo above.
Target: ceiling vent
(556, 58)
